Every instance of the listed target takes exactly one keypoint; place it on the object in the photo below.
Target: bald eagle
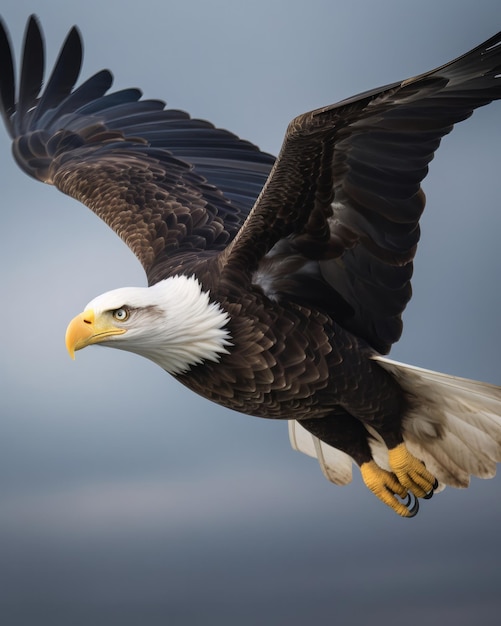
(275, 286)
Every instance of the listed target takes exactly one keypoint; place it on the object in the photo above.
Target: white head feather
(172, 323)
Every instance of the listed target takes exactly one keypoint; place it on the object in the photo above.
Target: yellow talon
(411, 472)
(386, 486)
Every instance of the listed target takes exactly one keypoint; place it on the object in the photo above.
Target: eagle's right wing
(164, 182)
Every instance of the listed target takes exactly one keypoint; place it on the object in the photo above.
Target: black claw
(432, 491)
(413, 510)
(410, 502)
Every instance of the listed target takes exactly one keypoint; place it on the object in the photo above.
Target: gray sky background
(125, 499)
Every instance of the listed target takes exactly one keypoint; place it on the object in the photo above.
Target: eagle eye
(121, 314)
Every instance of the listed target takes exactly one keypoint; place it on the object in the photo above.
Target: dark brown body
(288, 361)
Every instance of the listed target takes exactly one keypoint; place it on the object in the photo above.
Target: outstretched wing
(337, 224)
(164, 182)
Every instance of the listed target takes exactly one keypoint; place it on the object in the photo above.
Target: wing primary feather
(32, 68)
(64, 75)
(7, 80)
(93, 88)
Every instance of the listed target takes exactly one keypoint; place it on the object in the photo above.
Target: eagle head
(173, 323)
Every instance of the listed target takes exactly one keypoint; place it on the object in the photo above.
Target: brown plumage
(310, 256)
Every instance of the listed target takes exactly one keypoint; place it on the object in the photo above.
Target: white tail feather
(454, 428)
(335, 465)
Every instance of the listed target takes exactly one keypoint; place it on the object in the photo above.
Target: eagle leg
(411, 472)
(386, 486)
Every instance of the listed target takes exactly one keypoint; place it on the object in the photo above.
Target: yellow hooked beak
(85, 329)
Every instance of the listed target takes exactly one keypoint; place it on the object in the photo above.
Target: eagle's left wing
(337, 224)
